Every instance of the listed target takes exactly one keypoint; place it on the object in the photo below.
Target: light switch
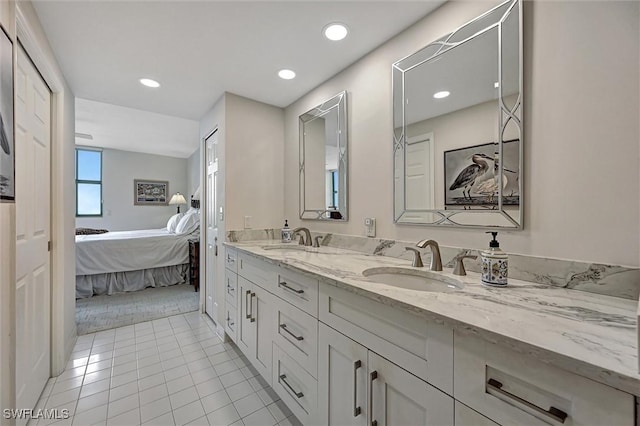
(370, 227)
(247, 222)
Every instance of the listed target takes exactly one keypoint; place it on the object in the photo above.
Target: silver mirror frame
(506, 116)
(339, 101)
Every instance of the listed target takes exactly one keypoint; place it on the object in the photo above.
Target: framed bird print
(471, 176)
(7, 146)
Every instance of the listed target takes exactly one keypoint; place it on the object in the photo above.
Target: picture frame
(463, 192)
(7, 111)
(148, 192)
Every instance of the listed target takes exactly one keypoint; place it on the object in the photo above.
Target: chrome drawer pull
(356, 409)
(246, 305)
(284, 285)
(553, 412)
(372, 376)
(284, 327)
(283, 378)
(253, 319)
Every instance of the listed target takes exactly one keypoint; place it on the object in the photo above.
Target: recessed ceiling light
(335, 31)
(286, 74)
(440, 95)
(149, 83)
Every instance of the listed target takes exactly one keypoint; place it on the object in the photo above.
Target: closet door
(33, 228)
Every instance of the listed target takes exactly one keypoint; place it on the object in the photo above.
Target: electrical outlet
(247, 222)
(370, 227)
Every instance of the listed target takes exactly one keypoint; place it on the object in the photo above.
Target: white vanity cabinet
(255, 329)
(514, 388)
(356, 386)
(338, 358)
(231, 294)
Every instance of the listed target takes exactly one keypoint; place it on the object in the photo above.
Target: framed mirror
(323, 160)
(457, 113)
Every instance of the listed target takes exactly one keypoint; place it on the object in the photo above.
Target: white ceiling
(198, 50)
(129, 129)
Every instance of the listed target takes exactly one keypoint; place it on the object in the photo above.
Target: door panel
(33, 223)
(342, 379)
(246, 330)
(263, 314)
(400, 398)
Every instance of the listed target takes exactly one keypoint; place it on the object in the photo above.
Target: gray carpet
(104, 312)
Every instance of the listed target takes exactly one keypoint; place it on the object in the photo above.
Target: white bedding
(130, 250)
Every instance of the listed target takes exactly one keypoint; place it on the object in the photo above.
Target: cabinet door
(262, 307)
(246, 329)
(399, 398)
(342, 379)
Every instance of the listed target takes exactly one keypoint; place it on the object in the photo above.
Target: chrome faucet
(307, 235)
(417, 260)
(459, 269)
(436, 260)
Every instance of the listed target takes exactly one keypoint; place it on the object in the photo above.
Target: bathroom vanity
(341, 348)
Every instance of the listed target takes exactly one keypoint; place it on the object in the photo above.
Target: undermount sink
(412, 279)
(284, 247)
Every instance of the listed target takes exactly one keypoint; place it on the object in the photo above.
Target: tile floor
(170, 371)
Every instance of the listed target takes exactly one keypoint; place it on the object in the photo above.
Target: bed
(130, 261)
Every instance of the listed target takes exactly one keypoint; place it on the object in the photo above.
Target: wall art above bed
(150, 192)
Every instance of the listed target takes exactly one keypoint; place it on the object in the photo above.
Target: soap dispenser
(286, 232)
(495, 266)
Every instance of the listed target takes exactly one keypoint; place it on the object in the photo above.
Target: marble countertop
(592, 335)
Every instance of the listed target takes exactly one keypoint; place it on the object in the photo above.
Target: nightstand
(194, 263)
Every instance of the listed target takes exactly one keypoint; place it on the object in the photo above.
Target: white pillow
(173, 222)
(188, 224)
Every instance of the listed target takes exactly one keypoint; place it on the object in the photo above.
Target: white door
(211, 224)
(342, 379)
(33, 227)
(420, 173)
(399, 398)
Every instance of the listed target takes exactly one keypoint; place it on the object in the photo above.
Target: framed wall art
(7, 144)
(150, 192)
(471, 176)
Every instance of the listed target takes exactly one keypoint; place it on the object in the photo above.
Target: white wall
(254, 163)
(7, 270)
(582, 186)
(250, 171)
(193, 174)
(119, 169)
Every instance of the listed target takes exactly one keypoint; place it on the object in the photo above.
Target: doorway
(211, 223)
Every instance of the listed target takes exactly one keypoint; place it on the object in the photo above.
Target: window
(88, 182)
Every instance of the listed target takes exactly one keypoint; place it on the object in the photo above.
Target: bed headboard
(195, 203)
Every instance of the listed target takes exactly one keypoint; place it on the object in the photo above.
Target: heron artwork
(468, 176)
(489, 187)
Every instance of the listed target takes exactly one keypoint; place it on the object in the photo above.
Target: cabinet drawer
(513, 388)
(231, 324)
(256, 271)
(231, 288)
(421, 347)
(297, 334)
(295, 386)
(465, 416)
(231, 259)
(299, 290)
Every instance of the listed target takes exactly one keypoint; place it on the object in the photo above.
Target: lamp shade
(177, 198)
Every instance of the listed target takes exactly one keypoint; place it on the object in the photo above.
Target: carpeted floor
(104, 312)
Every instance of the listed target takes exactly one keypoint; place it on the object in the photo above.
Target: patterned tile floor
(170, 371)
